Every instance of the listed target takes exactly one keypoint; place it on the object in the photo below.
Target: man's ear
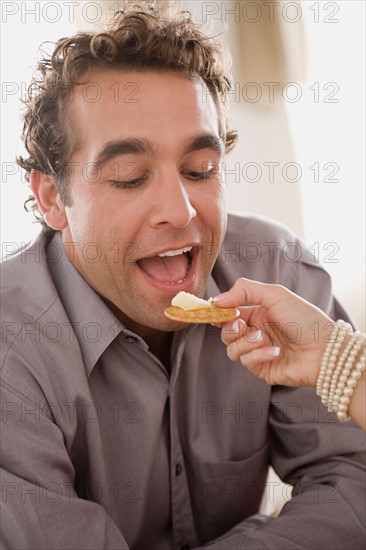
(48, 199)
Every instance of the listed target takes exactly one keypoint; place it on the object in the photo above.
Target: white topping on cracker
(188, 301)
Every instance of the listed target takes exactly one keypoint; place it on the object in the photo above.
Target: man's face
(148, 222)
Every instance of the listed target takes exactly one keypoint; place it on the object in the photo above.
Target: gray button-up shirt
(102, 448)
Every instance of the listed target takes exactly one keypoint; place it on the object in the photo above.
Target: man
(121, 428)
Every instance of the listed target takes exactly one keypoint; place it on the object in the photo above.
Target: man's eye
(210, 170)
(197, 175)
(127, 184)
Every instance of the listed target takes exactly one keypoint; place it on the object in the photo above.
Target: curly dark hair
(138, 39)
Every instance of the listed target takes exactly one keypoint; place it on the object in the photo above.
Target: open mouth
(171, 267)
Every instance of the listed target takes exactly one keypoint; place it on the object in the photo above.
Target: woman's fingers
(232, 331)
(249, 341)
(260, 363)
(246, 291)
(256, 357)
(236, 330)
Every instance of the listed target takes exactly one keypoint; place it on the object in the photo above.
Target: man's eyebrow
(143, 146)
(206, 141)
(122, 147)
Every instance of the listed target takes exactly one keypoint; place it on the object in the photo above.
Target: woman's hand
(281, 338)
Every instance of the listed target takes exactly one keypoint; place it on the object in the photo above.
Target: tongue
(169, 269)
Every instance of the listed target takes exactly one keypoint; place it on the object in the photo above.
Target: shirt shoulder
(27, 289)
(52, 320)
(265, 250)
(260, 230)
(27, 293)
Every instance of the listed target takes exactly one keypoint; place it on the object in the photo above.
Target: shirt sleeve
(323, 459)
(39, 505)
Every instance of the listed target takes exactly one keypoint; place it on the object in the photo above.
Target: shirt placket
(184, 536)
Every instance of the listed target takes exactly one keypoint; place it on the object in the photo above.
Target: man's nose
(172, 202)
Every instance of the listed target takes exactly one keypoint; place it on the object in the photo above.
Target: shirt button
(178, 469)
(131, 339)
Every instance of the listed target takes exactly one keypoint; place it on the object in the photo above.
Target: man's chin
(154, 322)
(146, 320)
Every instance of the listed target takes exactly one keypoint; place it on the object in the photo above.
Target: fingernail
(219, 297)
(235, 326)
(255, 337)
(272, 352)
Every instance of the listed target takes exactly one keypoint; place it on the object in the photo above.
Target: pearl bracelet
(338, 372)
(346, 387)
(337, 380)
(329, 360)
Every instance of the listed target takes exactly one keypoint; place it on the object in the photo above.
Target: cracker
(212, 314)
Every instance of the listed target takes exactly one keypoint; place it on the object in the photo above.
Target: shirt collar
(93, 322)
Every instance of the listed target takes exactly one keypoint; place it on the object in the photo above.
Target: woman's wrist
(341, 368)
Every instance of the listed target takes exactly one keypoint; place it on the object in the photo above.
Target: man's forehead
(114, 94)
(126, 86)
(91, 82)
